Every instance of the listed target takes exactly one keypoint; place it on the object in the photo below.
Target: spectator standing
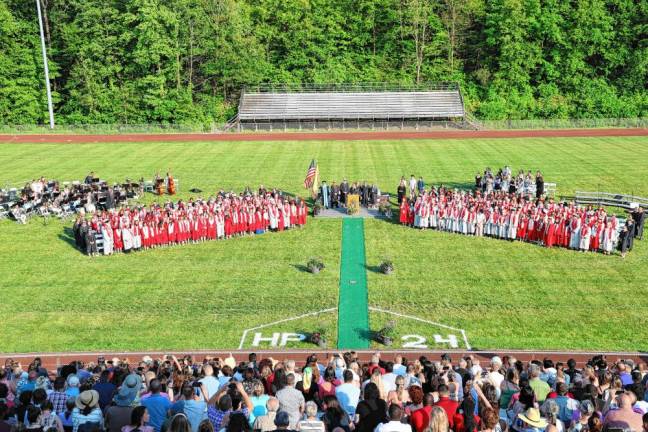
(311, 423)
(138, 420)
(87, 411)
(192, 405)
(420, 419)
(624, 417)
(334, 416)
(119, 414)
(371, 411)
(291, 401)
(156, 405)
(209, 381)
(448, 405)
(348, 394)
(266, 423)
(394, 424)
(540, 388)
(58, 397)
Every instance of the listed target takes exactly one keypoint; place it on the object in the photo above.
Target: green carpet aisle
(353, 312)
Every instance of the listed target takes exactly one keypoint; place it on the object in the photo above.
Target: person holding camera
(231, 398)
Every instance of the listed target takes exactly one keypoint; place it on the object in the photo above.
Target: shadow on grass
(366, 334)
(68, 237)
(301, 268)
(373, 268)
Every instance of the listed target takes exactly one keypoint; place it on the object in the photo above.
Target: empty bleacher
(263, 107)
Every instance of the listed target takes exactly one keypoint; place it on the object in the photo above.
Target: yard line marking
(245, 332)
(463, 332)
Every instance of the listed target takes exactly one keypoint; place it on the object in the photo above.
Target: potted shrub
(317, 207)
(387, 266)
(385, 334)
(385, 210)
(317, 338)
(315, 265)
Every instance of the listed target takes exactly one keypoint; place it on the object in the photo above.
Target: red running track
(317, 136)
(53, 360)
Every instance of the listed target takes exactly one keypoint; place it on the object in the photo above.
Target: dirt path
(325, 136)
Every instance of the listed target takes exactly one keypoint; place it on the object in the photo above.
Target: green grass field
(504, 295)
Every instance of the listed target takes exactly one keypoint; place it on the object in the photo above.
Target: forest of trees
(184, 61)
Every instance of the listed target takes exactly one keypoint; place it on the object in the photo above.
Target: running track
(317, 136)
(53, 360)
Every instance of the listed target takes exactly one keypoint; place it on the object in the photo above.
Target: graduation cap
(195, 190)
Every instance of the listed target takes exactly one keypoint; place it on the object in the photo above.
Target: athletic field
(497, 294)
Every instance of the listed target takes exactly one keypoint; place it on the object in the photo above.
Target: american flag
(310, 175)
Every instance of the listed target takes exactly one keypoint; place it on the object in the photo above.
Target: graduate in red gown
(303, 212)
(404, 210)
(550, 233)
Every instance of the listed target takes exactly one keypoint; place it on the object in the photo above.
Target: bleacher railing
(348, 87)
(566, 123)
(609, 199)
(112, 128)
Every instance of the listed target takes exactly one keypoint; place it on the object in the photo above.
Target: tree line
(184, 61)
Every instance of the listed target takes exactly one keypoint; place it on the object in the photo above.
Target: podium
(353, 200)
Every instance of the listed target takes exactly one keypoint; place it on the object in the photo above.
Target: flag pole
(47, 82)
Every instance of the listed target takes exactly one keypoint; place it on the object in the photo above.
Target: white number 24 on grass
(419, 342)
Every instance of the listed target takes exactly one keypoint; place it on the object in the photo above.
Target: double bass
(159, 185)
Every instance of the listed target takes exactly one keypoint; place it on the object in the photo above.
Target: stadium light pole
(47, 82)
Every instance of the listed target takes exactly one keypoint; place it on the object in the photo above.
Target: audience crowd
(223, 216)
(338, 394)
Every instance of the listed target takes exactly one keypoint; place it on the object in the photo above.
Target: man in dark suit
(344, 191)
(639, 217)
(364, 193)
(335, 195)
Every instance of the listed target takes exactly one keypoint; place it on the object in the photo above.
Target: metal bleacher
(349, 106)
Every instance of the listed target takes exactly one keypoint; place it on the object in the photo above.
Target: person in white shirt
(494, 376)
(394, 424)
(348, 394)
(412, 186)
(389, 379)
(289, 365)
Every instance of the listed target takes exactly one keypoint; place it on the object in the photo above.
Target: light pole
(47, 83)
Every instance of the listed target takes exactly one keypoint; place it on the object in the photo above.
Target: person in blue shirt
(192, 405)
(348, 394)
(157, 406)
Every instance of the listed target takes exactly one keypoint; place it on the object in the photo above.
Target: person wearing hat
(532, 422)
(119, 414)
(87, 410)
